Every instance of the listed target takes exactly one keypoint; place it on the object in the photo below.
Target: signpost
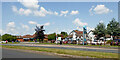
(84, 34)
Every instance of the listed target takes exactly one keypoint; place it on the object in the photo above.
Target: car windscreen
(95, 40)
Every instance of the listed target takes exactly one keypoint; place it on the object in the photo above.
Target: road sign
(84, 34)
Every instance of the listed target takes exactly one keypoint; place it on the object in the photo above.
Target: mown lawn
(69, 52)
(68, 44)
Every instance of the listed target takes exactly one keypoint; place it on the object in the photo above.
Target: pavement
(11, 53)
(81, 48)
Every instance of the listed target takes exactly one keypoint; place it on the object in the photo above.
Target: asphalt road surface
(8, 53)
(82, 49)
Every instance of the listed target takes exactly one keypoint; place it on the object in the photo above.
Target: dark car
(115, 42)
(52, 41)
(65, 42)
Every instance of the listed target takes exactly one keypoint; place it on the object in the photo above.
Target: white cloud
(80, 28)
(101, 21)
(26, 27)
(21, 11)
(64, 13)
(31, 4)
(74, 12)
(100, 9)
(91, 10)
(32, 7)
(32, 22)
(11, 28)
(89, 28)
(25, 12)
(56, 13)
(39, 13)
(11, 24)
(78, 22)
(45, 24)
(43, 12)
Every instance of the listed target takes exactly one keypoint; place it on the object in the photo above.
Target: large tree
(8, 37)
(52, 36)
(113, 28)
(100, 30)
(0, 37)
(39, 34)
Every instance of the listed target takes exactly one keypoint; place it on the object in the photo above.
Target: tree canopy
(100, 30)
(0, 37)
(52, 36)
(113, 28)
(8, 37)
(64, 34)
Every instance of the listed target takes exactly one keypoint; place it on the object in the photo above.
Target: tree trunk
(91, 42)
(104, 40)
(113, 37)
(39, 40)
(42, 40)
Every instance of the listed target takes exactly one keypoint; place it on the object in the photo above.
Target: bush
(8, 37)
(45, 41)
(109, 41)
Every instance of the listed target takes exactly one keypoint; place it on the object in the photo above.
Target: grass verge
(81, 45)
(69, 52)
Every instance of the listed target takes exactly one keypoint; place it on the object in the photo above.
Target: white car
(58, 41)
(4, 41)
(97, 42)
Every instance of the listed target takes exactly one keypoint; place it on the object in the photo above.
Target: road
(71, 48)
(8, 53)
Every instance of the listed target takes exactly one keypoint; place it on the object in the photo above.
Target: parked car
(58, 41)
(69, 41)
(65, 41)
(115, 42)
(97, 42)
(4, 41)
(52, 41)
(85, 42)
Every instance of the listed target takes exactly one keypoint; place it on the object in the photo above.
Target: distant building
(76, 34)
(29, 38)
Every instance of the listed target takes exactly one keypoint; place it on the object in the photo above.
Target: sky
(21, 18)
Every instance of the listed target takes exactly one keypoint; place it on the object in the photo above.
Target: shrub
(109, 41)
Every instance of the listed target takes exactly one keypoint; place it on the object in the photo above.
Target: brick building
(29, 38)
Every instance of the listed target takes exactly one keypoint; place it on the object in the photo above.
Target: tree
(64, 34)
(113, 28)
(39, 34)
(100, 30)
(52, 36)
(0, 37)
(8, 37)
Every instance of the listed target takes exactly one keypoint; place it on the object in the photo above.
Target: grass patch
(80, 45)
(69, 52)
(11, 43)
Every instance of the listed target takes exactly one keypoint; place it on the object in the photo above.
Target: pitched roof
(28, 36)
(78, 33)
